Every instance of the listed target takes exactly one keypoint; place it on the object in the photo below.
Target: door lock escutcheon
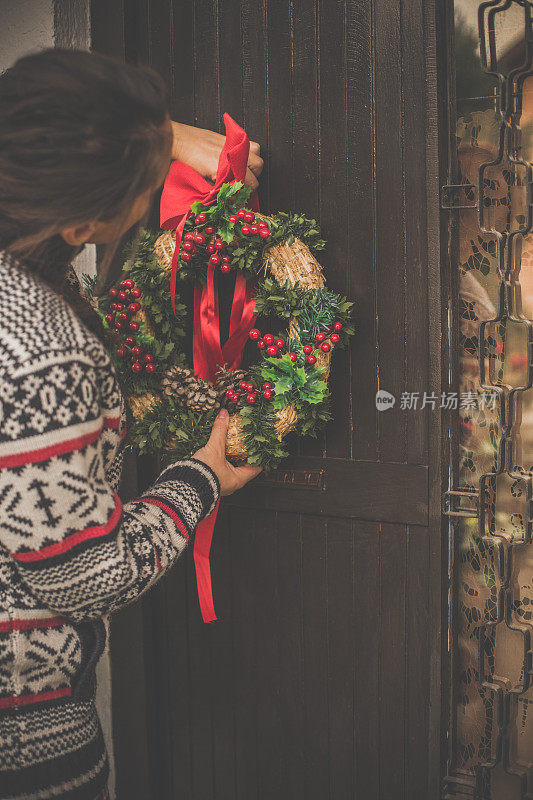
(459, 195)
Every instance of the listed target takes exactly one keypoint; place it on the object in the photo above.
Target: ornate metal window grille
(490, 502)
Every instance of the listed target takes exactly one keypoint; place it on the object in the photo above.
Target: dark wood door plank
(341, 658)
(315, 660)
(221, 685)
(334, 188)
(418, 656)
(291, 651)
(267, 602)
(361, 204)
(244, 633)
(358, 489)
(392, 668)
(367, 605)
(390, 225)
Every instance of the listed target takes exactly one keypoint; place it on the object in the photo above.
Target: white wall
(27, 26)
(24, 26)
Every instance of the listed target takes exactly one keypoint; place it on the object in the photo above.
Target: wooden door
(322, 677)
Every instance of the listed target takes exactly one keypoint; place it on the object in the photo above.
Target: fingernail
(223, 414)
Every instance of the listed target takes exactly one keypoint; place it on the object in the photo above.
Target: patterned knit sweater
(70, 552)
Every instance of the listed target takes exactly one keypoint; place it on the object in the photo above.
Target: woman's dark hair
(82, 136)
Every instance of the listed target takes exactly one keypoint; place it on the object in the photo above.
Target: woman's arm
(201, 149)
(79, 551)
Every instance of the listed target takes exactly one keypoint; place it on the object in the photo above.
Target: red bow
(183, 187)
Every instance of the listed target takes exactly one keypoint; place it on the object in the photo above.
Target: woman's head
(84, 143)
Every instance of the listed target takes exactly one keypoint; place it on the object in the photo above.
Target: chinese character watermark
(449, 401)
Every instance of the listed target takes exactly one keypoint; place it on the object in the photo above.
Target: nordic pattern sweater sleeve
(76, 548)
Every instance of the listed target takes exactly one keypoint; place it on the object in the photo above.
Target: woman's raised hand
(214, 455)
(201, 149)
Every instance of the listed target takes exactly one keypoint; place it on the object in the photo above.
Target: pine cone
(189, 390)
(228, 379)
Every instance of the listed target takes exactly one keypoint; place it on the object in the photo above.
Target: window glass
(491, 734)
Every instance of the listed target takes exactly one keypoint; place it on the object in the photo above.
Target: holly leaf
(282, 384)
(226, 230)
(242, 196)
(300, 377)
(223, 192)
(269, 371)
(233, 188)
(283, 364)
(227, 190)
(313, 391)
(281, 400)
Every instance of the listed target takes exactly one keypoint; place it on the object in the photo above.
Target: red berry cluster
(214, 245)
(321, 340)
(124, 305)
(192, 241)
(269, 344)
(249, 224)
(250, 392)
(332, 335)
(273, 347)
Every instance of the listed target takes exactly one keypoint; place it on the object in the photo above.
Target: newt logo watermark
(413, 401)
(384, 400)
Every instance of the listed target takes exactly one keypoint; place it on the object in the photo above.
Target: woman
(85, 142)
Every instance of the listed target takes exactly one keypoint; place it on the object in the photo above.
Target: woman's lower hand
(214, 455)
(200, 149)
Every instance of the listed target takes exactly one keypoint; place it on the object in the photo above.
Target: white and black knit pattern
(70, 552)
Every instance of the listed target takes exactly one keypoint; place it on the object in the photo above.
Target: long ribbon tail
(184, 186)
(207, 353)
(202, 548)
(242, 320)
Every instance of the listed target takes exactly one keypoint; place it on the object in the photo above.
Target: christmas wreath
(215, 234)
(285, 391)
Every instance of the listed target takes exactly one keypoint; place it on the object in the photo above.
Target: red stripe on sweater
(74, 538)
(14, 700)
(26, 624)
(44, 453)
(172, 514)
(112, 422)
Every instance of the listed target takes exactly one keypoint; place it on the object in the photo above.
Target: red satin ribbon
(183, 187)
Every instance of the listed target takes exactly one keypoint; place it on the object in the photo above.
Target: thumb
(217, 440)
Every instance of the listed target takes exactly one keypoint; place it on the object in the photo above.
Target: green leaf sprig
(315, 310)
(247, 252)
(260, 437)
(167, 426)
(291, 381)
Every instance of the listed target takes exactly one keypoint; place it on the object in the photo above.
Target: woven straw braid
(141, 403)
